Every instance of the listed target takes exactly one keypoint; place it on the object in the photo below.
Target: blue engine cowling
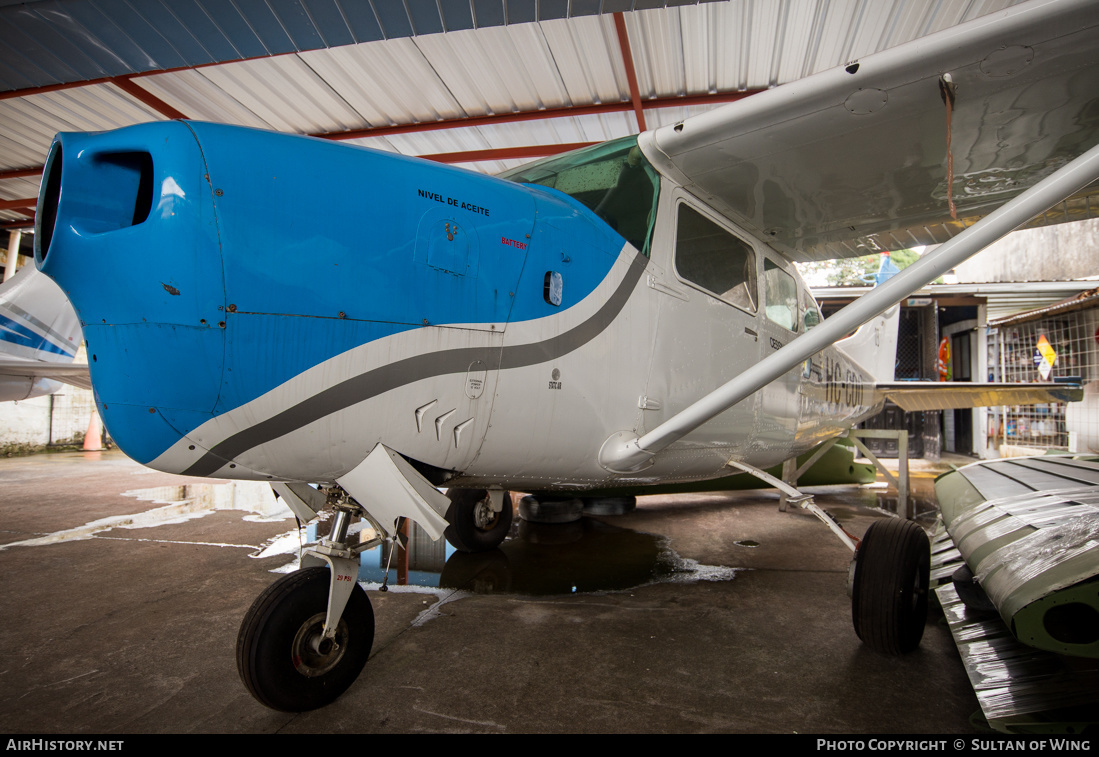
(211, 263)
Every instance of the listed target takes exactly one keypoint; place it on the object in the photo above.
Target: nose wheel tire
(282, 656)
(889, 591)
(474, 526)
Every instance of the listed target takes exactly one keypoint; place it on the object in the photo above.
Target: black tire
(545, 510)
(889, 591)
(274, 658)
(609, 505)
(474, 527)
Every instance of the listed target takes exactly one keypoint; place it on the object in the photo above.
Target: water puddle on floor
(254, 497)
(587, 556)
(881, 496)
(178, 504)
(581, 557)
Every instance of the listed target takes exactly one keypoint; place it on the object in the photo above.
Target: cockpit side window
(715, 260)
(810, 311)
(614, 180)
(781, 293)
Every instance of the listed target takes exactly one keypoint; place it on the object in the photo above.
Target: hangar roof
(486, 83)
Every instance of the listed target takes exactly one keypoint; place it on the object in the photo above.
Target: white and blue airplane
(626, 315)
(39, 338)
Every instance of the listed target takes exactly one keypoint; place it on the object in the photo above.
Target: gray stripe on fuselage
(372, 383)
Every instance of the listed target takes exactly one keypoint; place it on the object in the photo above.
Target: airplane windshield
(614, 180)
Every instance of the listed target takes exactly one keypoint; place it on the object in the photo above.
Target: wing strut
(625, 452)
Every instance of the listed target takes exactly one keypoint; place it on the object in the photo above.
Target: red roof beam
(22, 173)
(533, 115)
(505, 153)
(26, 202)
(17, 225)
(536, 115)
(144, 96)
(631, 73)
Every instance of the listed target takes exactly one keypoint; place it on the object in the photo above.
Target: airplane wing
(856, 159)
(915, 396)
(39, 337)
(74, 374)
(1027, 530)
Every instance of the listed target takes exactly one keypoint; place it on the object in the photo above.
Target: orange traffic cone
(93, 439)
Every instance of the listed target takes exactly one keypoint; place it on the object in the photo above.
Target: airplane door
(706, 328)
(780, 325)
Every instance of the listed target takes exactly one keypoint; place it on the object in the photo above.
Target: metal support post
(900, 481)
(15, 237)
(791, 476)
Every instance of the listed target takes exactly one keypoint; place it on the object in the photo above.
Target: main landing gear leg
(479, 519)
(889, 578)
(307, 637)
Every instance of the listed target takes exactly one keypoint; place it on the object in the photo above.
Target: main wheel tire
(889, 592)
(281, 656)
(474, 526)
(609, 505)
(551, 511)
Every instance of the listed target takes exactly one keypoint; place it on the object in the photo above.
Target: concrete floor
(133, 630)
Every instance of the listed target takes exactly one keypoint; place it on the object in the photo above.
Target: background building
(997, 307)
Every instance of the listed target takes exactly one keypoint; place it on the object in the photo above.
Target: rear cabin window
(781, 292)
(715, 260)
(614, 181)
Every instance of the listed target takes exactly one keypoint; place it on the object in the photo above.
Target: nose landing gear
(307, 637)
(283, 657)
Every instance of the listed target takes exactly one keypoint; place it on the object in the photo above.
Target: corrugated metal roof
(55, 41)
(1081, 301)
(486, 74)
(1002, 299)
(1005, 307)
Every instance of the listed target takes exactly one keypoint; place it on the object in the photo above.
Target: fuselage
(271, 307)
